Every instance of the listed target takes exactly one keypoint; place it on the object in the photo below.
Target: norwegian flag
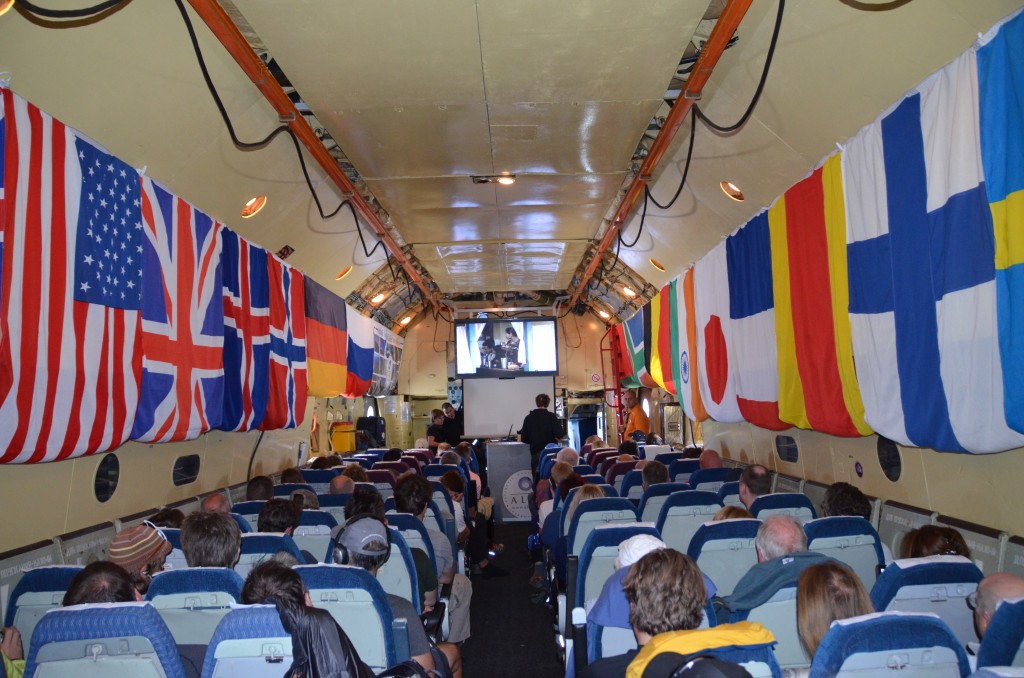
(69, 358)
(246, 333)
(182, 391)
(286, 406)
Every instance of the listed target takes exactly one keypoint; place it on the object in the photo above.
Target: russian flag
(921, 256)
(360, 354)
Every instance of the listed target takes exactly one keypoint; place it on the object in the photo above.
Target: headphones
(342, 555)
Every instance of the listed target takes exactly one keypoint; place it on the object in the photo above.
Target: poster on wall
(387, 358)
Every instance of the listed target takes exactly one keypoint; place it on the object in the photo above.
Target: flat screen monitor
(506, 348)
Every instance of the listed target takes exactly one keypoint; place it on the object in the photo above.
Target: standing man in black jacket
(540, 428)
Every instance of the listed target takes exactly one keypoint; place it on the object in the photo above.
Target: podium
(510, 480)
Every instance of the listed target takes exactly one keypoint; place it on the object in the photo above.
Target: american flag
(246, 333)
(286, 406)
(69, 364)
(182, 391)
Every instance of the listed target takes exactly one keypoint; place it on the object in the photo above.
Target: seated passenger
(365, 539)
(357, 473)
(543, 494)
(586, 492)
(319, 646)
(292, 475)
(282, 516)
(654, 473)
(934, 540)
(305, 499)
(782, 556)
(320, 463)
(993, 589)
(215, 503)
(393, 454)
(731, 513)
(141, 550)
(12, 653)
(101, 582)
(260, 488)
(825, 593)
(472, 534)
(568, 455)
(843, 499)
(710, 459)
(211, 540)
(342, 484)
(412, 493)
(755, 481)
(168, 517)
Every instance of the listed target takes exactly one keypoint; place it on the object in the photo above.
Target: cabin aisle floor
(512, 637)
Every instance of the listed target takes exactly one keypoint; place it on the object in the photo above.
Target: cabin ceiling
(415, 97)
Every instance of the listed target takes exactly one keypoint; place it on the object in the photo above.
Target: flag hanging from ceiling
(638, 339)
(711, 304)
(817, 382)
(688, 390)
(1001, 103)
(624, 363)
(69, 358)
(752, 350)
(287, 391)
(921, 254)
(360, 354)
(182, 391)
(387, 359)
(326, 341)
(664, 349)
(246, 333)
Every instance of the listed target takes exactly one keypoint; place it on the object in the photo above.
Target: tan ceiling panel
(568, 137)
(551, 222)
(560, 189)
(451, 225)
(413, 141)
(407, 195)
(482, 267)
(343, 55)
(583, 50)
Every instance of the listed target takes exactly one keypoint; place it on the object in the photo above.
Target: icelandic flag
(716, 375)
(182, 391)
(921, 255)
(246, 333)
(360, 354)
(286, 402)
(752, 315)
(1001, 102)
(688, 391)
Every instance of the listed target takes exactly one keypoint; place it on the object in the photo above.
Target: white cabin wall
(980, 489)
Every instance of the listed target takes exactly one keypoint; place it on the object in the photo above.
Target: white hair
(780, 535)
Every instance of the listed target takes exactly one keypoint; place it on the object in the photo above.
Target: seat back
(335, 505)
(937, 584)
(1003, 642)
(358, 603)
(850, 540)
(384, 481)
(313, 534)
(597, 557)
(38, 591)
(682, 514)
(259, 546)
(442, 498)
(594, 512)
(318, 479)
(414, 463)
(757, 658)
(784, 503)
(112, 640)
(176, 558)
(915, 645)
(435, 471)
(286, 489)
(249, 641)
(617, 470)
(250, 510)
(415, 533)
(192, 602)
(778, 614)
(729, 494)
(632, 486)
(680, 470)
(398, 575)
(243, 524)
(710, 479)
(654, 496)
(397, 468)
(725, 550)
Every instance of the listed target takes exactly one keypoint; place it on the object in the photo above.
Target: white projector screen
(491, 406)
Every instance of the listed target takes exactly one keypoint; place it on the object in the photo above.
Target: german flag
(326, 341)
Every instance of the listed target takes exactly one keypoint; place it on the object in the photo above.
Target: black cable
(639, 232)
(760, 85)
(686, 171)
(85, 12)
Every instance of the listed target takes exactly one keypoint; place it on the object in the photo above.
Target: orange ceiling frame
(234, 42)
(723, 31)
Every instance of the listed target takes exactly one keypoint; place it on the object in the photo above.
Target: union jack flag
(182, 391)
(246, 333)
(69, 360)
(286, 406)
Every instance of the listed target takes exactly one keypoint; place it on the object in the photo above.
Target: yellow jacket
(688, 642)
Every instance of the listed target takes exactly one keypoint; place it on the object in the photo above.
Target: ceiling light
(732, 190)
(379, 298)
(604, 314)
(657, 264)
(253, 206)
(345, 271)
(628, 291)
(406, 320)
(5, 5)
(504, 179)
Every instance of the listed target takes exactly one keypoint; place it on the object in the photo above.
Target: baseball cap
(357, 536)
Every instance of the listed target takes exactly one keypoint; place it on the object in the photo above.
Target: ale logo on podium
(515, 495)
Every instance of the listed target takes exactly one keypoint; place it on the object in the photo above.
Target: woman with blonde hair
(585, 492)
(731, 512)
(825, 593)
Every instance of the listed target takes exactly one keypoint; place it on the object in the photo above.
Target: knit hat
(135, 547)
(635, 548)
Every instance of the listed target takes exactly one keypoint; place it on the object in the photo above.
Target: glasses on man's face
(972, 600)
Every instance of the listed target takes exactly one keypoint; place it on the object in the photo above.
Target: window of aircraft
(106, 477)
(785, 447)
(889, 458)
(186, 469)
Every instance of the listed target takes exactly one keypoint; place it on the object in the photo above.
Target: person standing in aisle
(540, 428)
